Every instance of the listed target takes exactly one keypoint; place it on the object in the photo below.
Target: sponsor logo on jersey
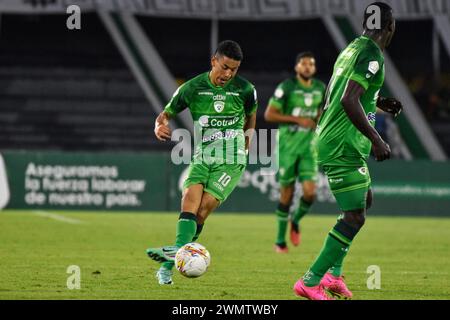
(236, 94)
(374, 66)
(371, 116)
(217, 122)
(219, 135)
(219, 97)
(363, 170)
(205, 93)
(335, 180)
(204, 121)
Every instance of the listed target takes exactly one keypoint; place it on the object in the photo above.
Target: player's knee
(309, 196)
(286, 195)
(190, 201)
(309, 192)
(356, 219)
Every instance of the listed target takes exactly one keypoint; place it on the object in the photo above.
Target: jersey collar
(208, 80)
(371, 41)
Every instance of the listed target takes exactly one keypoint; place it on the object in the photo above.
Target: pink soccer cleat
(281, 249)
(295, 234)
(311, 293)
(336, 286)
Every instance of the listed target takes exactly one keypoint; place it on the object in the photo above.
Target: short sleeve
(367, 66)
(179, 101)
(251, 101)
(278, 98)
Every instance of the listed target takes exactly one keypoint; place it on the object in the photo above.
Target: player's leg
(307, 168)
(187, 222)
(222, 180)
(287, 175)
(350, 188)
(208, 204)
(282, 212)
(186, 227)
(337, 269)
(306, 201)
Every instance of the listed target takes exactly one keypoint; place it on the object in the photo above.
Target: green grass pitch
(36, 250)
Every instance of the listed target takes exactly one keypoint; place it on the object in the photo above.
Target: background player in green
(296, 105)
(223, 107)
(345, 135)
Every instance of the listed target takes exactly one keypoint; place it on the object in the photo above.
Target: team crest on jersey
(219, 106)
(363, 170)
(219, 102)
(308, 99)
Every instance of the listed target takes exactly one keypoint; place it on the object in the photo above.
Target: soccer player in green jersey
(223, 107)
(296, 106)
(345, 136)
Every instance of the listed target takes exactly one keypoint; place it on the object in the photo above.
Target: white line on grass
(57, 217)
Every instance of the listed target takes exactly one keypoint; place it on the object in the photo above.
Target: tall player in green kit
(296, 106)
(223, 107)
(345, 136)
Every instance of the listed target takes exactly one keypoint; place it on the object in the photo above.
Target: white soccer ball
(192, 260)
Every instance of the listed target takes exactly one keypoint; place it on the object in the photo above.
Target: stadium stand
(64, 90)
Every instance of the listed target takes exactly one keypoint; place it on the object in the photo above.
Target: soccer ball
(192, 260)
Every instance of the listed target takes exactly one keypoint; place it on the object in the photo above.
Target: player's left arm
(390, 105)
(250, 106)
(249, 128)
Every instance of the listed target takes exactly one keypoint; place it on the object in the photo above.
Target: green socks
(336, 269)
(197, 233)
(332, 254)
(302, 209)
(186, 229)
(283, 219)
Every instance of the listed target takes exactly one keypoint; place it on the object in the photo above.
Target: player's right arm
(179, 102)
(162, 129)
(273, 114)
(274, 111)
(354, 110)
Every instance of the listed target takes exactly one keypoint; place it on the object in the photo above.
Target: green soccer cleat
(163, 254)
(164, 276)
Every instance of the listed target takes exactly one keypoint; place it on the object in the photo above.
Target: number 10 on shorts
(224, 180)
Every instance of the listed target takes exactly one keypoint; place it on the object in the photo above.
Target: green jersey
(219, 116)
(292, 98)
(339, 142)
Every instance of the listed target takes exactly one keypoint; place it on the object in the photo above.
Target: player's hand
(306, 123)
(381, 150)
(162, 132)
(390, 105)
